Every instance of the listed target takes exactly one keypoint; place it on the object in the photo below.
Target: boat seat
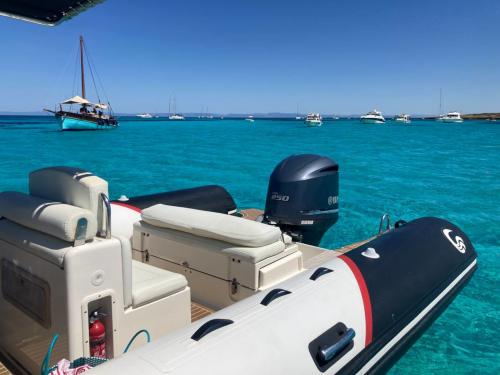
(226, 228)
(151, 283)
(222, 246)
(72, 186)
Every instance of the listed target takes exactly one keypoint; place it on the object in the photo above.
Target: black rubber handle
(210, 326)
(320, 272)
(273, 294)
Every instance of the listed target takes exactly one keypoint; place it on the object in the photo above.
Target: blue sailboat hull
(69, 123)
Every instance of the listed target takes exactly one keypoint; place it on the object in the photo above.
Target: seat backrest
(70, 185)
(60, 220)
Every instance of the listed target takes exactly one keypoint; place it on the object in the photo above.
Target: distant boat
(403, 118)
(145, 115)
(450, 117)
(90, 116)
(313, 119)
(335, 118)
(298, 116)
(250, 118)
(175, 116)
(373, 117)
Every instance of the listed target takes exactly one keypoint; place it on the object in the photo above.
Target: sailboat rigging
(90, 116)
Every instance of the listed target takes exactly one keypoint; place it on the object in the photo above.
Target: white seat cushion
(151, 283)
(226, 228)
(53, 218)
(69, 185)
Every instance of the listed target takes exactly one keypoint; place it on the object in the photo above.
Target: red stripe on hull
(137, 209)
(364, 294)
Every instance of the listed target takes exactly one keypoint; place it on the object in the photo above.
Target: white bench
(218, 253)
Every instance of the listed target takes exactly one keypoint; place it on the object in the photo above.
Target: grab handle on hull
(320, 272)
(326, 353)
(210, 326)
(272, 295)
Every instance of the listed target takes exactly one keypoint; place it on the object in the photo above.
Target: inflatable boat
(217, 289)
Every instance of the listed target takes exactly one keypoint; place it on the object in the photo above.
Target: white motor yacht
(373, 117)
(145, 115)
(403, 118)
(450, 117)
(313, 119)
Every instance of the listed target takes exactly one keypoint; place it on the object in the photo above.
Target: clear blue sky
(264, 56)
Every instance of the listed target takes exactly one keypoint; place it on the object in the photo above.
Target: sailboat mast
(82, 67)
(440, 101)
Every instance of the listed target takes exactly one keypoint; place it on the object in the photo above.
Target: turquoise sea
(426, 168)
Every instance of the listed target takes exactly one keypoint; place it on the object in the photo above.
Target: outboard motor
(302, 198)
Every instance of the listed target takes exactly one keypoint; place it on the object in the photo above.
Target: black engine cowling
(302, 198)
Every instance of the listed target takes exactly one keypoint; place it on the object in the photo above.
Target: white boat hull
(314, 123)
(372, 121)
(450, 120)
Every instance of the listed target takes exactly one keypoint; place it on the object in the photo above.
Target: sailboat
(298, 116)
(175, 116)
(453, 116)
(90, 116)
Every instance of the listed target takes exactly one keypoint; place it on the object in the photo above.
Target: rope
(91, 72)
(45, 363)
(91, 62)
(148, 337)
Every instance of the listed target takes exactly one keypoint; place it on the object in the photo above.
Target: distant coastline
(482, 116)
(275, 115)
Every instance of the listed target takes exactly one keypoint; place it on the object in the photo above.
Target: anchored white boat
(403, 118)
(206, 281)
(145, 115)
(250, 119)
(373, 117)
(174, 116)
(450, 117)
(313, 119)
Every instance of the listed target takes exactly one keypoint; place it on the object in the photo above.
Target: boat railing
(385, 219)
(104, 204)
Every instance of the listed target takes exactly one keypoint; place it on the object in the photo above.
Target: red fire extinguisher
(97, 335)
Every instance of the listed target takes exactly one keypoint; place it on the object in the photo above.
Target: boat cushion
(39, 244)
(151, 283)
(69, 185)
(54, 218)
(226, 228)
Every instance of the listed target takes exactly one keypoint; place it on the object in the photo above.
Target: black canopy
(48, 12)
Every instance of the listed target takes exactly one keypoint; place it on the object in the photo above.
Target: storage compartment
(27, 292)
